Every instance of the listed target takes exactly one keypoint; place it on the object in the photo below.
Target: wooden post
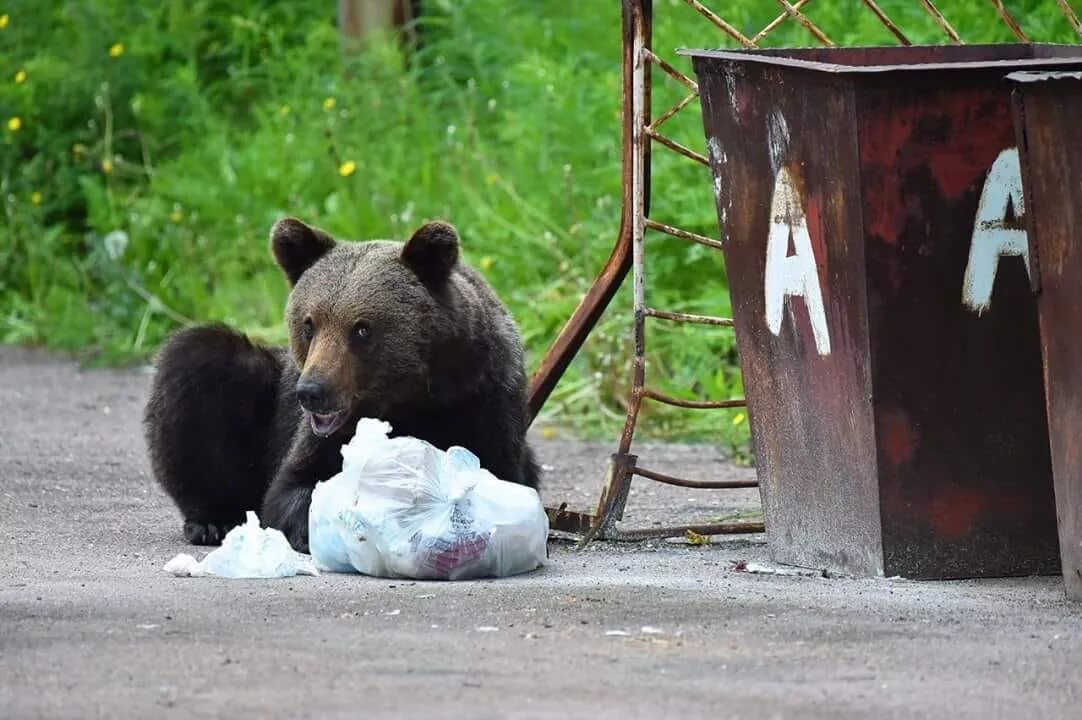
(360, 19)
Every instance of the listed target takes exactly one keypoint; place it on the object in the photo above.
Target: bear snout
(315, 397)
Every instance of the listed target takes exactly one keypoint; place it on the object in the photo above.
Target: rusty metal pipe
(887, 22)
(688, 317)
(942, 22)
(731, 528)
(673, 110)
(675, 146)
(806, 22)
(1071, 16)
(684, 234)
(690, 404)
(1009, 20)
(775, 22)
(671, 71)
(697, 484)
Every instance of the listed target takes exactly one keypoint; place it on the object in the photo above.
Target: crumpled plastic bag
(402, 508)
(247, 551)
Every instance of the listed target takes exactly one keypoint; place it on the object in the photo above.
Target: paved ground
(91, 627)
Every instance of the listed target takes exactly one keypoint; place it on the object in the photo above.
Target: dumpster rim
(768, 58)
(1029, 76)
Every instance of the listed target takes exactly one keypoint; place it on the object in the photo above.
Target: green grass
(158, 142)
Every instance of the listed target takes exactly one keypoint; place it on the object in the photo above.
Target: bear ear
(432, 252)
(297, 246)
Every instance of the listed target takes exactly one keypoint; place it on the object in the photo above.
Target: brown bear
(406, 333)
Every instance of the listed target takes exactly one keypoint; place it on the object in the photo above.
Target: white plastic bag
(247, 551)
(404, 508)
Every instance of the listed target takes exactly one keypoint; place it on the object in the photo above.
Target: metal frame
(629, 253)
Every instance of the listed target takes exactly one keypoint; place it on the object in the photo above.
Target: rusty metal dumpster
(1048, 108)
(870, 206)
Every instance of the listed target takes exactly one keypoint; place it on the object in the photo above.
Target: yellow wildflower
(20, 77)
(487, 263)
(107, 166)
(347, 168)
(4, 21)
(548, 433)
(284, 110)
(15, 123)
(329, 104)
(739, 419)
(116, 50)
(176, 216)
(35, 197)
(78, 150)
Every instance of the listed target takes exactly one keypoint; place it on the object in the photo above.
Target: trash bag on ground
(247, 551)
(403, 508)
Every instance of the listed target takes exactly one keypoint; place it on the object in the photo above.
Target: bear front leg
(285, 507)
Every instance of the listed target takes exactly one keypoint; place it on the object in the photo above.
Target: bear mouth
(325, 424)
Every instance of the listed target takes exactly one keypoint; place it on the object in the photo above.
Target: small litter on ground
(247, 551)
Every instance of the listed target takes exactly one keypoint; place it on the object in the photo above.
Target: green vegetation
(147, 147)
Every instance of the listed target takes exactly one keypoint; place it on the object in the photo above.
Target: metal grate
(640, 132)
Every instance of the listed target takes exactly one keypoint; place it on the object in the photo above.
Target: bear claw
(199, 533)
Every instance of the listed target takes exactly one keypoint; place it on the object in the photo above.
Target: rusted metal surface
(639, 133)
(886, 443)
(1047, 111)
(920, 59)
(814, 445)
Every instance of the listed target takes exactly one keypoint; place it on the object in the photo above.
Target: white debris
(761, 569)
(402, 507)
(247, 551)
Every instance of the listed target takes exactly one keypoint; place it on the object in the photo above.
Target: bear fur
(406, 333)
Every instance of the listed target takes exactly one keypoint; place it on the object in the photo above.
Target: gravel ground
(91, 627)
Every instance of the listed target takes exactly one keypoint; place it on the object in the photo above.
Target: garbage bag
(403, 508)
(247, 551)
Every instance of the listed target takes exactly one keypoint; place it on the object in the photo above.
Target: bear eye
(308, 329)
(362, 331)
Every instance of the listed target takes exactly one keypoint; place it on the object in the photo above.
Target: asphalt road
(91, 627)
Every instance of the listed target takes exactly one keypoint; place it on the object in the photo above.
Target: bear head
(371, 324)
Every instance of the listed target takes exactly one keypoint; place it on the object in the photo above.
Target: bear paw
(298, 539)
(198, 532)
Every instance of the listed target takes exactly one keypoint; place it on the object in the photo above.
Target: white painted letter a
(788, 275)
(992, 238)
